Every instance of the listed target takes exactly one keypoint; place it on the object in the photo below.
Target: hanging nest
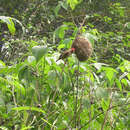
(83, 48)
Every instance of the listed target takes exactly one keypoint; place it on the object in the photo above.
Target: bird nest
(83, 48)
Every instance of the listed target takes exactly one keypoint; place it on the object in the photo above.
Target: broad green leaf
(11, 27)
(52, 75)
(3, 81)
(109, 73)
(91, 37)
(2, 102)
(128, 25)
(28, 108)
(118, 84)
(31, 59)
(101, 93)
(107, 19)
(27, 128)
(60, 31)
(3, 128)
(128, 76)
(67, 42)
(10, 24)
(23, 72)
(18, 87)
(2, 64)
(64, 4)
(56, 10)
(9, 81)
(124, 81)
(99, 65)
(73, 3)
(86, 103)
(61, 46)
(105, 104)
(39, 51)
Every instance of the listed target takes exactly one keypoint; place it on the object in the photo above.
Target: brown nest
(83, 48)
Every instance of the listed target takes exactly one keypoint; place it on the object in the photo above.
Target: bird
(66, 54)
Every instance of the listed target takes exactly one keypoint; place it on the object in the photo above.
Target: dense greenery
(36, 92)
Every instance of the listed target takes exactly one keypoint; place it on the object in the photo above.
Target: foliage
(40, 93)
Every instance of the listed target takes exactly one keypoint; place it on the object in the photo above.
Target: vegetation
(36, 92)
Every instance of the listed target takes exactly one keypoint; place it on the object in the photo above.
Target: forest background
(36, 92)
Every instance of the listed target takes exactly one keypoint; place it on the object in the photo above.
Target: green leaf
(60, 31)
(67, 42)
(10, 24)
(64, 4)
(31, 59)
(28, 108)
(56, 10)
(39, 51)
(118, 84)
(105, 104)
(98, 65)
(91, 37)
(2, 64)
(11, 27)
(3, 128)
(124, 81)
(101, 93)
(52, 75)
(73, 3)
(61, 46)
(128, 25)
(86, 103)
(109, 72)
(27, 128)
(128, 76)
(2, 102)
(23, 72)
(18, 87)
(3, 81)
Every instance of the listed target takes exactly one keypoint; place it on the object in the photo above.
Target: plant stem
(76, 103)
(106, 114)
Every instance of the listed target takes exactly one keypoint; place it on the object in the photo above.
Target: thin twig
(81, 25)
